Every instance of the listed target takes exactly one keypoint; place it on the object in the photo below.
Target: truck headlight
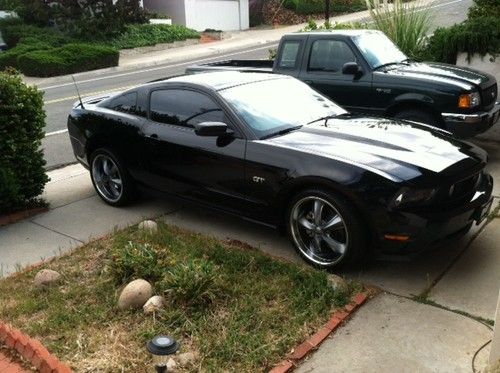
(407, 196)
(469, 100)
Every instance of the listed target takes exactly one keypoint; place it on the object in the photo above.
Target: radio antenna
(78, 92)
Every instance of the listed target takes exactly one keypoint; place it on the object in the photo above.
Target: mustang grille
(489, 95)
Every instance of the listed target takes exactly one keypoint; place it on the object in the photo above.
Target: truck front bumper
(468, 125)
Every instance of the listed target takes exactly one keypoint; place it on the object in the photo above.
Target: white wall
(226, 15)
(173, 8)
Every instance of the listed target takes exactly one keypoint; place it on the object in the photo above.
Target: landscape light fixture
(161, 347)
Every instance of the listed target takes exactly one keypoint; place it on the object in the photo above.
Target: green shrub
(196, 283)
(14, 32)
(479, 33)
(146, 35)
(136, 260)
(9, 58)
(406, 25)
(9, 4)
(22, 119)
(318, 6)
(68, 59)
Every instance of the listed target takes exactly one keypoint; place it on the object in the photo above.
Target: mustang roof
(223, 79)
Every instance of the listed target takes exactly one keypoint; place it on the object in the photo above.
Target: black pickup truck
(363, 71)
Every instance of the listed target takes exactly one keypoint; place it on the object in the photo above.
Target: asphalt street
(59, 97)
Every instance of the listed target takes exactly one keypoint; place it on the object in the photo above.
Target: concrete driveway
(457, 285)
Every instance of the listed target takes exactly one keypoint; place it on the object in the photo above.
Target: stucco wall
(216, 14)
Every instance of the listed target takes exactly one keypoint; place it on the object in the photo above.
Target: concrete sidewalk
(390, 333)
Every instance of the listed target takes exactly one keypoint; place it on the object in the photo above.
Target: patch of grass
(238, 309)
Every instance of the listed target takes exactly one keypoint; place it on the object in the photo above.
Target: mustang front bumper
(468, 125)
(428, 229)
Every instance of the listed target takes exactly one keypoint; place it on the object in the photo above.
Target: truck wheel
(420, 116)
(326, 230)
(110, 178)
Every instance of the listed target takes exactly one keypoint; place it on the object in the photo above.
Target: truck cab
(363, 71)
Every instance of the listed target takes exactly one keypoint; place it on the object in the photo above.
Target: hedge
(68, 59)
(146, 35)
(22, 119)
(480, 34)
(318, 6)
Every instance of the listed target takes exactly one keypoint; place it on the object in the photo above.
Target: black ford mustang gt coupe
(271, 149)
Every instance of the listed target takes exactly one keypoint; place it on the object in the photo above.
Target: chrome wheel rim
(319, 231)
(107, 178)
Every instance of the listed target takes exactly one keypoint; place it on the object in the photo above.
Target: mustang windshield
(272, 107)
(378, 49)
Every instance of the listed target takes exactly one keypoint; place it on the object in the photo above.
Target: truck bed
(265, 66)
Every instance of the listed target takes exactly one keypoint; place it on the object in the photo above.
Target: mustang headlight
(469, 100)
(407, 196)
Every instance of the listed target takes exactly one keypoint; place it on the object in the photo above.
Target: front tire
(110, 178)
(325, 229)
(420, 116)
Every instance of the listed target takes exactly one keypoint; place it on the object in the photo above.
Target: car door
(206, 169)
(322, 70)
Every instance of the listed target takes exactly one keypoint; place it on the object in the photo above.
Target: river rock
(171, 365)
(135, 295)
(148, 225)
(337, 283)
(154, 304)
(46, 277)
(186, 358)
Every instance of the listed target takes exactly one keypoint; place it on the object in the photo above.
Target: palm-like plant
(406, 24)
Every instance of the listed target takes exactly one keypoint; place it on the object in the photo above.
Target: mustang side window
(289, 54)
(183, 108)
(330, 55)
(126, 103)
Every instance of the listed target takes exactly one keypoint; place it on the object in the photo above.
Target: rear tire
(420, 116)
(326, 229)
(110, 178)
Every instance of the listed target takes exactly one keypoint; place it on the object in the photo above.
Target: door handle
(308, 81)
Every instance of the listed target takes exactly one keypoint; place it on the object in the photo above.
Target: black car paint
(433, 87)
(365, 160)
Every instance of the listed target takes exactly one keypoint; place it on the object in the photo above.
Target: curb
(317, 338)
(31, 350)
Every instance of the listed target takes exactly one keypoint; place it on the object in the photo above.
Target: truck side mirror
(351, 68)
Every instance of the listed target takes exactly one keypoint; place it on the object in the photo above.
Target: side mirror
(210, 129)
(351, 68)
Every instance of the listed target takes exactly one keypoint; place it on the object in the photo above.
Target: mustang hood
(444, 73)
(399, 149)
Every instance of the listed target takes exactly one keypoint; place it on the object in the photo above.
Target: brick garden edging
(32, 350)
(20, 215)
(317, 338)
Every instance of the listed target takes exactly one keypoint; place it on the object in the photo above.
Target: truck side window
(289, 54)
(330, 55)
